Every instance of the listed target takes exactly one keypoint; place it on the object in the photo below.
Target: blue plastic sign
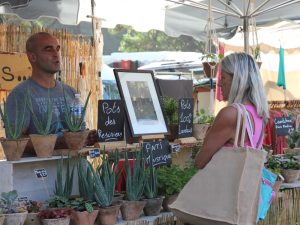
(94, 153)
(40, 173)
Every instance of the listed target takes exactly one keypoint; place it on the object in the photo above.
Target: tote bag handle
(242, 114)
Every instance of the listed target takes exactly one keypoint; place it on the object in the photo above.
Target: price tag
(175, 148)
(94, 153)
(24, 200)
(40, 173)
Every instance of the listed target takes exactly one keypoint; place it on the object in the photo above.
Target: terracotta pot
(153, 206)
(15, 218)
(83, 218)
(76, 140)
(199, 131)
(168, 201)
(43, 144)
(33, 219)
(13, 149)
(209, 67)
(108, 215)
(2, 218)
(290, 176)
(58, 221)
(131, 210)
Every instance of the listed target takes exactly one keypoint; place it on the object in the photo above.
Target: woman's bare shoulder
(227, 114)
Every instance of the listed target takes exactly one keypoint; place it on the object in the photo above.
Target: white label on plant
(40, 173)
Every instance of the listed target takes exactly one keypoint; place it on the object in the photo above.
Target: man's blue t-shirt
(39, 98)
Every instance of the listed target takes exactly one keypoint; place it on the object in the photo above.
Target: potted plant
(153, 201)
(101, 183)
(105, 184)
(256, 55)
(83, 212)
(210, 64)
(57, 216)
(43, 142)
(13, 211)
(75, 137)
(201, 123)
(290, 168)
(170, 109)
(33, 209)
(293, 139)
(171, 180)
(64, 184)
(13, 145)
(135, 181)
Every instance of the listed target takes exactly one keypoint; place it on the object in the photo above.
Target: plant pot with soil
(99, 186)
(76, 134)
(13, 211)
(43, 141)
(33, 209)
(153, 201)
(56, 216)
(132, 207)
(13, 145)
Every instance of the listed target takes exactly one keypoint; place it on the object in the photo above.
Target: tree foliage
(154, 40)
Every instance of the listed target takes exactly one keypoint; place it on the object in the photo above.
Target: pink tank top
(255, 132)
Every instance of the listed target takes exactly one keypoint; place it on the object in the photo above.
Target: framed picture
(142, 104)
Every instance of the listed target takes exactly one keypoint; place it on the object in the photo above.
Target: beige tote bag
(227, 190)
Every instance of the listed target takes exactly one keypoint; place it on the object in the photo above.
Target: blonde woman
(240, 83)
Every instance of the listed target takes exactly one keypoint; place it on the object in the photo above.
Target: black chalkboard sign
(110, 120)
(160, 153)
(284, 126)
(185, 117)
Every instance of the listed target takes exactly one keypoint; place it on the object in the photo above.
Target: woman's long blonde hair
(246, 82)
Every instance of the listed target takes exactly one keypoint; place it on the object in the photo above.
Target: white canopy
(175, 17)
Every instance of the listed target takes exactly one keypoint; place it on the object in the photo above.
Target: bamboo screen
(75, 49)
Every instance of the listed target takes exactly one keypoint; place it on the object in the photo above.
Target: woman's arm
(222, 130)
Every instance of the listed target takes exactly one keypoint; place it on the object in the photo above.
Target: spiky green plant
(74, 124)
(42, 124)
(105, 181)
(151, 188)
(13, 130)
(135, 177)
(64, 184)
(85, 180)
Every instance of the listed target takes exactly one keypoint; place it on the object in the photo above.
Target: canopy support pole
(246, 33)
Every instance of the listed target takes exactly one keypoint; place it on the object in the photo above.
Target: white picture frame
(142, 103)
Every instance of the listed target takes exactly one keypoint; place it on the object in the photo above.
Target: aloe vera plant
(105, 181)
(135, 177)
(85, 179)
(151, 188)
(13, 131)
(64, 185)
(43, 124)
(74, 124)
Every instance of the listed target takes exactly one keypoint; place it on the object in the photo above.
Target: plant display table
(20, 175)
